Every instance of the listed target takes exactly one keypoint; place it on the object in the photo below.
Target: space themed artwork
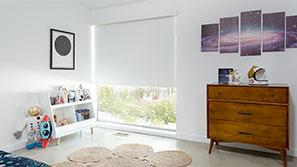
(229, 35)
(273, 32)
(210, 38)
(250, 33)
(291, 32)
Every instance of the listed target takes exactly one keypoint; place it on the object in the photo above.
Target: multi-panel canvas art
(250, 34)
(291, 32)
(229, 35)
(279, 32)
(273, 32)
(210, 36)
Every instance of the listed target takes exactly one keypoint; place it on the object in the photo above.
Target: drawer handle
(245, 133)
(245, 113)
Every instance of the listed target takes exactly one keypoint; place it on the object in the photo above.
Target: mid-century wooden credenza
(247, 114)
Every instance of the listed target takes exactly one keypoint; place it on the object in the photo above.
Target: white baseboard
(293, 152)
(189, 137)
(16, 146)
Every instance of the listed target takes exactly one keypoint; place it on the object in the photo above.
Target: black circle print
(62, 45)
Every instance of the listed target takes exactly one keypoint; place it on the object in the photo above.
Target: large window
(137, 52)
(145, 106)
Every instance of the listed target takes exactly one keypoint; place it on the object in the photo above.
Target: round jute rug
(170, 159)
(121, 162)
(67, 164)
(134, 151)
(90, 154)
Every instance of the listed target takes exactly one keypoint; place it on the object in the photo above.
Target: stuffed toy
(45, 132)
(32, 127)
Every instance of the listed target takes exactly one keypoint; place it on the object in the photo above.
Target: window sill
(136, 129)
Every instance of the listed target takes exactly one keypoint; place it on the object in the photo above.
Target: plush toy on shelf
(32, 127)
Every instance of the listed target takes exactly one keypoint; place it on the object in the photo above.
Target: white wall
(196, 69)
(24, 56)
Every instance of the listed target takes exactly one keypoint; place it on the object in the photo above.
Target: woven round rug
(67, 164)
(90, 154)
(170, 159)
(134, 151)
(121, 162)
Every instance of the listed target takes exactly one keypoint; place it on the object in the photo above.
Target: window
(137, 53)
(144, 106)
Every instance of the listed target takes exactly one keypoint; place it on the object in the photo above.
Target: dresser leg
(217, 143)
(210, 146)
(284, 157)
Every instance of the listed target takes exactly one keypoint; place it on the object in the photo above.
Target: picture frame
(62, 50)
(223, 75)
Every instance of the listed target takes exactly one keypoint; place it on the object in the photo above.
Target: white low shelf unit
(67, 110)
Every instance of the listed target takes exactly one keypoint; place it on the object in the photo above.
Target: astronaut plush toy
(32, 127)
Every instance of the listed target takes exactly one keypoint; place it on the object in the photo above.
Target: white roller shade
(136, 53)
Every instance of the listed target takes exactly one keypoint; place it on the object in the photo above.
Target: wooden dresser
(247, 114)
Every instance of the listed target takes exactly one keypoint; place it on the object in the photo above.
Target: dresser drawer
(252, 94)
(253, 113)
(270, 136)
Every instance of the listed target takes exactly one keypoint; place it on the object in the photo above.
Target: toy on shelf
(61, 121)
(69, 96)
(235, 77)
(82, 94)
(32, 127)
(82, 114)
(257, 76)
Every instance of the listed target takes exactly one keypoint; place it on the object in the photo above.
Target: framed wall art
(250, 33)
(62, 50)
(291, 32)
(229, 35)
(210, 38)
(273, 32)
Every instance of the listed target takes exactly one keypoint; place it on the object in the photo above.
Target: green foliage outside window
(150, 104)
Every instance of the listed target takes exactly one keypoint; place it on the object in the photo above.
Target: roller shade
(136, 53)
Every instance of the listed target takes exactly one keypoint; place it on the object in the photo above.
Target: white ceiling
(96, 4)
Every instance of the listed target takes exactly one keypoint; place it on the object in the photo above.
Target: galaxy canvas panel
(273, 32)
(210, 35)
(250, 33)
(291, 32)
(229, 35)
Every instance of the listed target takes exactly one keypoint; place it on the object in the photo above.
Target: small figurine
(62, 95)
(235, 77)
(256, 76)
(71, 96)
(86, 95)
(80, 93)
(65, 93)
